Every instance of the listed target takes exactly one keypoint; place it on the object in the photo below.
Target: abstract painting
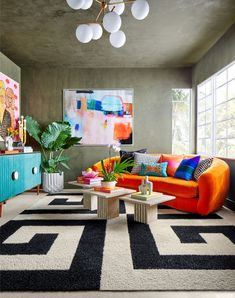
(9, 104)
(100, 116)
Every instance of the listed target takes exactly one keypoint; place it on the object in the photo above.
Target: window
(181, 108)
(216, 114)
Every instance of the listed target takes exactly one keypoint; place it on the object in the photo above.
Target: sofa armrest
(97, 166)
(213, 187)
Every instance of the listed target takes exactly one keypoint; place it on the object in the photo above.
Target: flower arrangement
(11, 132)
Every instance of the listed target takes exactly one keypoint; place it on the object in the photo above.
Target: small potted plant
(114, 169)
(53, 141)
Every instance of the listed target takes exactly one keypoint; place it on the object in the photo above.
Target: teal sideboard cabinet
(18, 172)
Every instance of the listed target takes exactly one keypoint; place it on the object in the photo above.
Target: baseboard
(229, 204)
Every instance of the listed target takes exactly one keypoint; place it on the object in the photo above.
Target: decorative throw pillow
(173, 162)
(130, 155)
(187, 167)
(143, 158)
(154, 169)
(202, 167)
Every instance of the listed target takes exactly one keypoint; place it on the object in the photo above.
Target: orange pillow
(173, 162)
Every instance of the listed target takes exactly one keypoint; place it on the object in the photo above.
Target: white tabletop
(83, 185)
(153, 201)
(118, 193)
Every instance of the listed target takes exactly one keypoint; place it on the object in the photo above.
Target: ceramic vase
(108, 184)
(53, 182)
(9, 143)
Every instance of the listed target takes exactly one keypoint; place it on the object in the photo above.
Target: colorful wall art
(9, 104)
(100, 117)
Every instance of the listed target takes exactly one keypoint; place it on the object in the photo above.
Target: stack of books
(89, 181)
(139, 196)
(107, 190)
(25, 149)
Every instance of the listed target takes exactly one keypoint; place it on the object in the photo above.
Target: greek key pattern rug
(57, 245)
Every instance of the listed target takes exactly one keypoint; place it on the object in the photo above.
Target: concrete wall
(42, 99)
(220, 55)
(10, 69)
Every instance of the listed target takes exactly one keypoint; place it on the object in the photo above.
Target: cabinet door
(6, 189)
(32, 170)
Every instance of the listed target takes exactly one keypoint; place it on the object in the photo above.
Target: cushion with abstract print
(202, 167)
(187, 167)
(130, 155)
(173, 162)
(143, 158)
(154, 169)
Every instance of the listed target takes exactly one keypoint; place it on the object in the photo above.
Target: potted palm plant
(114, 169)
(56, 138)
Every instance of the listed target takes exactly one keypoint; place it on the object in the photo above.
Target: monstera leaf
(34, 129)
(56, 135)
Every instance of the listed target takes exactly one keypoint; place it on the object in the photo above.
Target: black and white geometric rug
(56, 245)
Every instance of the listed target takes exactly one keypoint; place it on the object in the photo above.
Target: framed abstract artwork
(9, 104)
(100, 116)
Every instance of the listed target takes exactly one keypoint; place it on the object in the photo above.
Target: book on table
(139, 196)
(107, 189)
(90, 181)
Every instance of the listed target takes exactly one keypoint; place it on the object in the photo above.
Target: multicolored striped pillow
(187, 167)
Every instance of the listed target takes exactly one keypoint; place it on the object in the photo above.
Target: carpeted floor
(56, 245)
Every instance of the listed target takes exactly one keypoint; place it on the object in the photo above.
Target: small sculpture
(146, 187)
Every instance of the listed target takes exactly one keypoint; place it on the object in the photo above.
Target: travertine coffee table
(146, 211)
(89, 200)
(108, 203)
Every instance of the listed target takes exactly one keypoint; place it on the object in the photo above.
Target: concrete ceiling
(176, 33)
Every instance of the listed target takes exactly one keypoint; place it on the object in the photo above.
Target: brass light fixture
(110, 11)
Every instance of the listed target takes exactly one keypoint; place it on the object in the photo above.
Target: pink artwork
(9, 104)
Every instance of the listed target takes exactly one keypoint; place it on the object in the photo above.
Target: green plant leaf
(56, 135)
(65, 165)
(71, 141)
(33, 128)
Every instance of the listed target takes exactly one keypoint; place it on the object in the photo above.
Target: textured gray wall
(10, 69)
(42, 99)
(220, 55)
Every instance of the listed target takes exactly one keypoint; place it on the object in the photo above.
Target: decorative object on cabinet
(9, 104)
(53, 141)
(100, 116)
(18, 173)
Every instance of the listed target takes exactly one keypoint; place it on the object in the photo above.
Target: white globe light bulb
(140, 9)
(84, 33)
(118, 8)
(97, 31)
(76, 4)
(87, 4)
(112, 22)
(117, 39)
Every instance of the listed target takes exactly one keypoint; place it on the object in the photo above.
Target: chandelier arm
(121, 2)
(99, 14)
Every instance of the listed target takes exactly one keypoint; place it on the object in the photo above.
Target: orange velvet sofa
(203, 196)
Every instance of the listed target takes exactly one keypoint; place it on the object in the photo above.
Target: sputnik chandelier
(110, 12)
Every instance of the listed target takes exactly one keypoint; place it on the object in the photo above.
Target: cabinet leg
(38, 189)
(1, 208)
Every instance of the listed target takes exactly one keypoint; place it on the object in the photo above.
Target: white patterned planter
(53, 182)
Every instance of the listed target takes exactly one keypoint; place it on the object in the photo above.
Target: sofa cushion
(187, 167)
(167, 185)
(173, 162)
(155, 169)
(143, 158)
(130, 155)
(202, 167)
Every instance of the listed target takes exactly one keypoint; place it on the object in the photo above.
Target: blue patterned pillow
(154, 169)
(187, 167)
